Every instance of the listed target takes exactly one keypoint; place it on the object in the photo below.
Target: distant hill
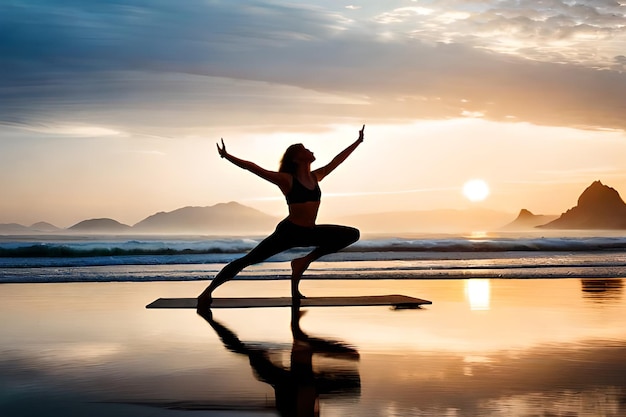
(527, 220)
(599, 207)
(43, 227)
(218, 219)
(105, 226)
(18, 229)
(13, 228)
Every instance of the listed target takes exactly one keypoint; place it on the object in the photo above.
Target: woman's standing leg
(327, 239)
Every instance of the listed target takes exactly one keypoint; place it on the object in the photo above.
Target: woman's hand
(322, 172)
(222, 150)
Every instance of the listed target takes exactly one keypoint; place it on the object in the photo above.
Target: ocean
(68, 258)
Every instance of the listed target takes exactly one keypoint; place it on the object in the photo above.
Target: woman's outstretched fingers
(222, 150)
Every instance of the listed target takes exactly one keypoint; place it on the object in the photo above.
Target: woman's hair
(287, 162)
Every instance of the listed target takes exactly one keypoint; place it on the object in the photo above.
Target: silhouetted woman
(301, 189)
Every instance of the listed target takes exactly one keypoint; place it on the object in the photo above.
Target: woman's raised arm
(320, 173)
(281, 179)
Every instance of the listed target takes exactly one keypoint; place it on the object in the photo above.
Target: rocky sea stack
(599, 207)
(527, 220)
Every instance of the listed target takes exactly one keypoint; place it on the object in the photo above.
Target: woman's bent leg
(327, 239)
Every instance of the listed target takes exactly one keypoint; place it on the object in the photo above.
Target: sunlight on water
(478, 234)
(478, 293)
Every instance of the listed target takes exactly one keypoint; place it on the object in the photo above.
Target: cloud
(160, 64)
(589, 32)
(74, 130)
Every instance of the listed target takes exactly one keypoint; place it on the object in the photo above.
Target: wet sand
(483, 348)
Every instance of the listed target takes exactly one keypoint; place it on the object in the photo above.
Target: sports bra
(300, 194)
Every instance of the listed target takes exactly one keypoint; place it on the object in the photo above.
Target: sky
(113, 108)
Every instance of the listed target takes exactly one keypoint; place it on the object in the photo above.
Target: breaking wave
(137, 248)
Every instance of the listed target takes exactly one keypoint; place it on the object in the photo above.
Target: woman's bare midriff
(304, 214)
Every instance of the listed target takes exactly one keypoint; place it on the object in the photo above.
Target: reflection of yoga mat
(399, 301)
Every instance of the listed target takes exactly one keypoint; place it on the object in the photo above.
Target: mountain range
(222, 218)
(599, 207)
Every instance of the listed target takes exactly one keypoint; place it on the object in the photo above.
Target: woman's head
(295, 155)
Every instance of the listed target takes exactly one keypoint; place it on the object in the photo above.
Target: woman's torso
(303, 200)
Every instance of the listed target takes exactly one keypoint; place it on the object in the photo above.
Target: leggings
(326, 238)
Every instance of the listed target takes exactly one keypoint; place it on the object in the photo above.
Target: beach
(485, 347)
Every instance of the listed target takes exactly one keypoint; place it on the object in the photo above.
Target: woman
(301, 189)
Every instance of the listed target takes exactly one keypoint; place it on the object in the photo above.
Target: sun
(476, 190)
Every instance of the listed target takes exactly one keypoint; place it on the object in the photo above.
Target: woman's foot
(204, 301)
(298, 295)
(295, 293)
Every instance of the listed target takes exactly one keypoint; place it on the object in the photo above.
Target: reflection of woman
(300, 186)
(297, 388)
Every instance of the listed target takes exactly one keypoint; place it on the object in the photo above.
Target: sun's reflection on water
(478, 293)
